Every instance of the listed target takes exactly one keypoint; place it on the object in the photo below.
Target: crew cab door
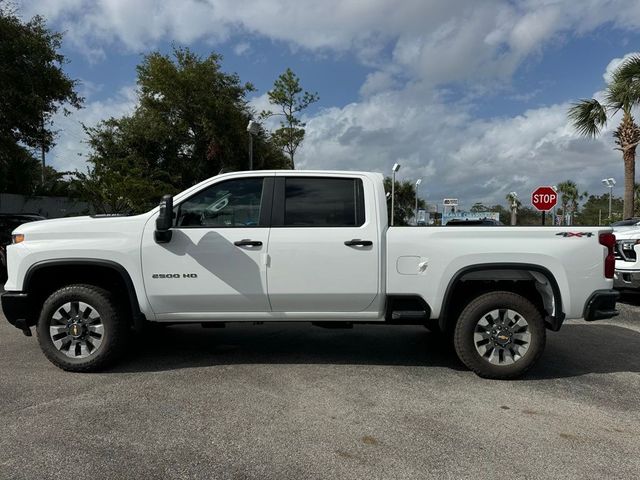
(324, 245)
(216, 258)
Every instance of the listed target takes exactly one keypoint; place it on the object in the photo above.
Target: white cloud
(70, 151)
(376, 82)
(241, 48)
(457, 156)
(431, 40)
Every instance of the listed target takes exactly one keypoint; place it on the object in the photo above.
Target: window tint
(234, 203)
(323, 202)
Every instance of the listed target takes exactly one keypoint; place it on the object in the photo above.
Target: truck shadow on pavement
(578, 349)
(630, 298)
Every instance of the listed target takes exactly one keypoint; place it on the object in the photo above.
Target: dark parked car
(8, 223)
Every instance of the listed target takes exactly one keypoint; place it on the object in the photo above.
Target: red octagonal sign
(544, 198)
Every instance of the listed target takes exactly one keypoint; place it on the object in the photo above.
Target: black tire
(3, 268)
(115, 329)
(480, 308)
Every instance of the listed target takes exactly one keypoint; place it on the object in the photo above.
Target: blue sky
(469, 96)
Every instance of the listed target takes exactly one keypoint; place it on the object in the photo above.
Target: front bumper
(601, 305)
(18, 310)
(626, 279)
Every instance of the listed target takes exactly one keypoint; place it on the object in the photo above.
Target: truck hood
(627, 234)
(86, 226)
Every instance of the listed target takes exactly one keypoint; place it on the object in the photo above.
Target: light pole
(418, 182)
(253, 128)
(609, 183)
(555, 205)
(394, 169)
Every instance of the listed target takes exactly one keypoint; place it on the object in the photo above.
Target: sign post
(543, 199)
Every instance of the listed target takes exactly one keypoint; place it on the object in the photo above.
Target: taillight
(609, 241)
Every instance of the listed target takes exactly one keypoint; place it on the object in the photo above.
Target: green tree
(290, 99)
(570, 198)
(404, 203)
(589, 116)
(33, 87)
(504, 213)
(189, 124)
(596, 209)
(479, 207)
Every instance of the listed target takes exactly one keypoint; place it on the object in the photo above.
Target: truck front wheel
(500, 335)
(81, 329)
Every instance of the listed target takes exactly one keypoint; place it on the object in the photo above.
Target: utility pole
(42, 149)
(394, 169)
(253, 128)
(418, 182)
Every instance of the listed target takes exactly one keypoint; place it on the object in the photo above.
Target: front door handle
(356, 242)
(248, 243)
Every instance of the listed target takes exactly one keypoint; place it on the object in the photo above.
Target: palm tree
(405, 201)
(514, 204)
(570, 197)
(589, 116)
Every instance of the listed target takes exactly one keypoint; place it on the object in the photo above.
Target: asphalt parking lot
(299, 402)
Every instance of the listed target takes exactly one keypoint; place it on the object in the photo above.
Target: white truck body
(308, 273)
(627, 274)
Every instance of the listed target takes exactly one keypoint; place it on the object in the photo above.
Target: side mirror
(164, 222)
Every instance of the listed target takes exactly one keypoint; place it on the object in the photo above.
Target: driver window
(234, 203)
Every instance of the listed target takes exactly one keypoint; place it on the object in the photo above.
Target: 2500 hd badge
(174, 275)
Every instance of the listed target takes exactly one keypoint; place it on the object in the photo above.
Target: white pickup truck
(310, 246)
(627, 274)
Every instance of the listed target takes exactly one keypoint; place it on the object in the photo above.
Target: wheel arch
(43, 277)
(544, 281)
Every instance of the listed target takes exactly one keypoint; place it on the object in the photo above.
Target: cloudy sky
(471, 96)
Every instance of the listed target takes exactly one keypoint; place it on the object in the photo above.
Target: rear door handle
(248, 243)
(356, 242)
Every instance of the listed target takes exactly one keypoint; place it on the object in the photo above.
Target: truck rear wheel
(81, 329)
(500, 335)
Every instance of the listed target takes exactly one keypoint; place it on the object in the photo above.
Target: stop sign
(544, 198)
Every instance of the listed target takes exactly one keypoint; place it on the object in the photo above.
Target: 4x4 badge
(575, 234)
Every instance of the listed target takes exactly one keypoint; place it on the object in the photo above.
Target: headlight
(629, 244)
(17, 238)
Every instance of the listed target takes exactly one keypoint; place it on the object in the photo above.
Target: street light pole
(609, 183)
(253, 128)
(418, 182)
(394, 169)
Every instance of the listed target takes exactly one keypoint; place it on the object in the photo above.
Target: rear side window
(323, 202)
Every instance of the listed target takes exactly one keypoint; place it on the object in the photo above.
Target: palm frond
(588, 116)
(624, 90)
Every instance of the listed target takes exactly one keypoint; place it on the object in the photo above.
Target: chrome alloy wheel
(502, 336)
(76, 329)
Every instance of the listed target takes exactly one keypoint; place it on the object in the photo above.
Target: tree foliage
(589, 116)
(570, 198)
(189, 124)
(290, 100)
(595, 210)
(405, 202)
(33, 87)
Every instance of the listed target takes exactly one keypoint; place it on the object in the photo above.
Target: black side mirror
(164, 222)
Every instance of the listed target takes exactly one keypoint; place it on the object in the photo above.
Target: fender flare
(553, 322)
(138, 316)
